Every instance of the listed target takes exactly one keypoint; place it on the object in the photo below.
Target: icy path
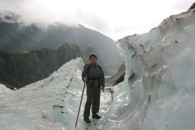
(51, 104)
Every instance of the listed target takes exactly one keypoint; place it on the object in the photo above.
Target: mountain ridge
(18, 69)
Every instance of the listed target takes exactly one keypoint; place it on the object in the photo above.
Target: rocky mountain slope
(18, 69)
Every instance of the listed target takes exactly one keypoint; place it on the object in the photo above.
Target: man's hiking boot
(87, 120)
(96, 116)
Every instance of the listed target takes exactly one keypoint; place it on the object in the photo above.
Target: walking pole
(80, 105)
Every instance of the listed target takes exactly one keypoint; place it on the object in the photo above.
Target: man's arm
(84, 73)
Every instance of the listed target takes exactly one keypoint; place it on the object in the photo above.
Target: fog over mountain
(114, 18)
(17, 36)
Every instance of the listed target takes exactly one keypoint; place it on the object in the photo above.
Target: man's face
(93, 59)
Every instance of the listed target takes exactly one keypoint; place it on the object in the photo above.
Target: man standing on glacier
(93, 76)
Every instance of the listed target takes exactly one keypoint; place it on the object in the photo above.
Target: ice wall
(160, 77)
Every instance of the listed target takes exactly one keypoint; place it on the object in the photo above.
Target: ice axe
(80, 106)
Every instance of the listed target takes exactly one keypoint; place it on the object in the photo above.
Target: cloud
(182, 4)
(114, 18)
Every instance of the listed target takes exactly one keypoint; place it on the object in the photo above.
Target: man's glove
(85, 78)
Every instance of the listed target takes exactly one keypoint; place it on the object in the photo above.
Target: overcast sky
(114, 18)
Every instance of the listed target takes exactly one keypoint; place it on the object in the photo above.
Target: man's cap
(92, 55)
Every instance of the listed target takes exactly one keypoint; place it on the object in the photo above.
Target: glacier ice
(51, 103)
(47, 104)
(163, 93)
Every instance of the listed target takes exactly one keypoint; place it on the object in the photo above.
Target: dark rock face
(118, 77)
(192, 7)
(18, 69)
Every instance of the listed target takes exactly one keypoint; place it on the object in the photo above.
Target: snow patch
(4, 90)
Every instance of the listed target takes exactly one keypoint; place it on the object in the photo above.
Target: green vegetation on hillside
(21, 68)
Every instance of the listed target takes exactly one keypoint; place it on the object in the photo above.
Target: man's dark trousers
(93, 98)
